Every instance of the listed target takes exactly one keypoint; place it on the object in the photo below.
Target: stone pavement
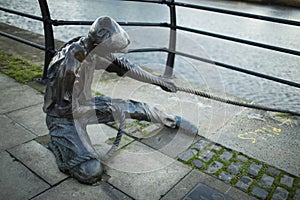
(153, 162)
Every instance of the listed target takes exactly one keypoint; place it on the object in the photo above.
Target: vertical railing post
(49, 39)
(172, 40)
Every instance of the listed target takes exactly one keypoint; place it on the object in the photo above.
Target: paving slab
(102, 137)
(15, 98)
(40, 160)
(16, 181)
(32, 118)
(194, 178)
(171, 142)
(268, 137)
(72, 189)
(7, 82)
(12, 133)
(202, 191)
(144, 173)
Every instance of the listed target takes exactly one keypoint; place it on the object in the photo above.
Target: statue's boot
(171, 121)
(186, 125)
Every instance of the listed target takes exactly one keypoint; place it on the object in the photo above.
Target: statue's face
(107, 33)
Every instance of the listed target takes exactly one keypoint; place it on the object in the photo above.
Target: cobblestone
(254, 169)
(287, 180)
(206, 156)
(273, 171)
(260, 193)
(226, 177)
(216, 147)
(214, 167)
(226, 155)
(187, 155)
(201, 144)
(197, 163)
(234, 167)
(297, 196)
(244, 183)
(280, 194)
(266, 181)
(242, 158)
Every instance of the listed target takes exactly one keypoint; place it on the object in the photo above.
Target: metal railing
(49, 47)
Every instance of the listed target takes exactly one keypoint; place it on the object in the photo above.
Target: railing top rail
(21, 14)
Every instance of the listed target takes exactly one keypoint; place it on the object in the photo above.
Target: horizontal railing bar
(220, 64)
(63, 22)
(21, 14)
(252, 43)
(240, 14)
(142, 50)
(30, 43)
(150, 1)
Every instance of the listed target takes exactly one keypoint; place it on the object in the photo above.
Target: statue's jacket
(69, 82)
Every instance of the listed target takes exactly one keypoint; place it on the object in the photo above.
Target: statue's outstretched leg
(71, 144)
(142, 111)
(73, 150)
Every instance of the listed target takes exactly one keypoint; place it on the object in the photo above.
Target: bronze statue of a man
(70, 107)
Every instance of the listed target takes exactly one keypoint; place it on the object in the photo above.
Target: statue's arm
(123, 67)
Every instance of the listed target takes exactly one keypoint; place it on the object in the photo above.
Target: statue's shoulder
(71, 50)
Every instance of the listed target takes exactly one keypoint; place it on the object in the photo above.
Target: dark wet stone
(260, 193)
(216, 147)
(197, 163)
(280, 194)
(297, 196)
(206, 156)
(273, 171)
(226, 177)
(187, 155)
(254, 169)
(201, 144)
(244, 183)
(266, 181)
(214, 167)
(226, 155)
(242, 158)
(234, 167)
(287, 180)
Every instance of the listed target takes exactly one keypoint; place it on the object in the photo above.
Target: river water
(253, 58)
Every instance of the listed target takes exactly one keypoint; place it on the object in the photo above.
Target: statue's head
(107, 32)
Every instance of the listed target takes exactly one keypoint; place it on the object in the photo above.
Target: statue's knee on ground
(88, 172)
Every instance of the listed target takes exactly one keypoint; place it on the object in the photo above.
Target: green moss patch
(18, 68)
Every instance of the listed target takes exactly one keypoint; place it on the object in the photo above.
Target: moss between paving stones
(19, 68)
(243, 171)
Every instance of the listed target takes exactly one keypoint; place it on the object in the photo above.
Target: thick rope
(157, 81)
(119, 116)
